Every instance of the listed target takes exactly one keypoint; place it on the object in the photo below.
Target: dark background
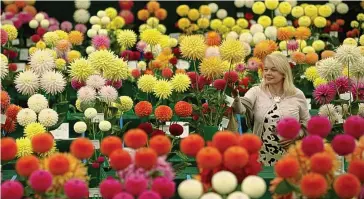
(63, 10)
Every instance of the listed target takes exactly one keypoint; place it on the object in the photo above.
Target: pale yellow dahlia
(180, 82)
(101, 59)
(213, 67)
(232, 50)
(76, 170)
(61, 34)
(193, 47)
(162, 89)
(117, 70)
(51, 38)
(73, 55)
(81, 69)
(146, 83)
(126, 103)
(33, 129)
(151, 36)
(126, 38)
(24, 146)
(311, 73)
(11, 30)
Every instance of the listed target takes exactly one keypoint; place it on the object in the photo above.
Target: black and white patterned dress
(271, 151)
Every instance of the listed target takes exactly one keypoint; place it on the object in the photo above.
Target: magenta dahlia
(324, 94)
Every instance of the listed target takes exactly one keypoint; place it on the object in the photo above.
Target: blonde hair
(281, 63)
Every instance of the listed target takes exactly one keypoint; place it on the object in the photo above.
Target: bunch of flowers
(311, 167)
(195, 20)
(152, 15)
(229, 156)
(18, 13)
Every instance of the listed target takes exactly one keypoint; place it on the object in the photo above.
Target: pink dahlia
(219, 84)
(136, 184)
(288, 127)
(253, 65)
(231, 76)
(12, 189)
(127, 15)
(292, 45)
(81, 27)
(341, 84)
(312, 144)
(240, 67)
(25, 17)
(343, 144)
(141, 45)
(319, 125)
(358, 91)
(75, 189)
(324, 94)
(4, 37)
(101, 42)
(109, 188)
(149, 195)
(76, 84)
(123, 195)
(40, 181)
(164, 186)
(354, 126)
(53, 28)
(66, 26)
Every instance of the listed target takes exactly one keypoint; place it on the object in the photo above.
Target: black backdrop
(63, 10)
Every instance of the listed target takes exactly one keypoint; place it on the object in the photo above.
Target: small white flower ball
(39, 17)
(48, 117)
(255, 28)
(232, 35)
(335, 2)
(95, 20)
(254, 186)
(190, 189)
(90, 113)
(211, 195)
(249, 3)
(213, 7)
(258, 37)
(239, 3)
(91, 33)
(342, 8)
(101, 13)
(26, 116)
(33, 24)
(105, 20)
(44, 23)
(224, 182)
(37, 102)
(238, 195)
(103, 32)
(246, 37)
(222, 13)
(80, 127)
(96, 27)
(90, 50)
(104, 125)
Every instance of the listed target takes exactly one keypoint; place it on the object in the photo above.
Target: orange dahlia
(298, 57)
(4, 100)
(250, 142)
(82, 148)
(109, 144)
(235, 157)
(180, 70)
(153, 6)
(213, 38)
(265, 48)
(135, 138)
(161, 13)
(9, 125)
(284, 34)
(30, 10)
(12, 8)
(208, 158)
(327, 53)
(143, 14)
(356, 167)
(146, 158)
(222, 140)
(120, 159)
(302, 33)
(8, 149)
(287, 167)
(321, 163)
(12, 111)
(161, 144)
(26, 165)
(163, 113)
(347, 186)
(192, 144)
(311, 58)
(42, 142)
(58, 164)
(183, 109)
(75, 37)
(143, 109)
(313, 185)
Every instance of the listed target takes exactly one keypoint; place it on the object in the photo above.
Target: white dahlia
(27, 82)
(41, 61)
(81, 16)
(86, 94)
(329, 68)
(254, 186)
(224, 182)
(271, 32)
(48, 117)
(52, 82)
(82, 4)
(95, 81)
(190, 189)
(357, 69)
(4, 70)
(26, 116)
(80, 127)
(329, 111)
(361, 109)
(348, 54)
(105, 125)
(108, 94)
(90, 113)
(37, 102)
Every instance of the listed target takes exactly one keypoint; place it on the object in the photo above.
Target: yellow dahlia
(126, 103)
(76, 170)
(182, 10)
(51, 38)
(73, 55)
(126, 38)
(81, 69)
(264, 48)
(183, 23)
(180, 82)
(24, 146)
(311, 73)
(101, 59)
(118, 21)
(319, 81)
(75, 37)
(232, 50)
(162, 89)
(60, 63)
(117, 70)
(146, 83)
(33, 129)
(164, 41)
(11, 30)
(111, 12)
(40, 45)
(213, 67)
(61, 34)
(193, 47)
(203, 23)
(151, 36)
(216, 23)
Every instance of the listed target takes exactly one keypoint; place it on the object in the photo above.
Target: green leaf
(285, 188)
(103, 174)
(28, 191)
(125, 126)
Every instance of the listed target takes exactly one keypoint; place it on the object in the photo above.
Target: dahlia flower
(146, 83)
(127, 39)
(126, 104)
(82, 4)
(271, 32)
(24, 146)
(104, 125)
(180, 82)
(11, 31)
(292, 45)
(80, 127)
(328, 110)
(37, 102)
(108, 94)
(162, 89)
(358, 91)
(48, 117)
(101, 42)
(341, 84)
(151, 36)
(4, 70)
(26, 116)
(190, 188)
(357, 68)
(117, 70)
(52, 82)
(224, 182)
(311, 73)
(264, 48)
(51, 38)
(329, 69)
(324, 94)
(86, 94)
(33, 129)
(232, 51)
(348, 54)
(95, 81)
(81, 69)
(42, 61)
(213, 67)
(193, 47)
(81, 16)
(101, 59)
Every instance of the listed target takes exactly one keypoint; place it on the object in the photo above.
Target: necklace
(275, 97)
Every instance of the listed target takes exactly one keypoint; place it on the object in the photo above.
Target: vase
(209, 132)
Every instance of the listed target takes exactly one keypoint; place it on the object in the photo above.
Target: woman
(275, 98)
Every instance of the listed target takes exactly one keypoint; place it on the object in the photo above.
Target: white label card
(225, 122)
(23, 55)
(229, 101)
(3, 119)
(334, 34)
(96, 144)
(183, 64)
(94, 192)
(175, 35)
(15, 42)
(308, 100)
(239, 14)
(62, 132)
(20, 67)
(132, 64)
(30, 42)
(99, 117)
(347, 96)
(186, 128)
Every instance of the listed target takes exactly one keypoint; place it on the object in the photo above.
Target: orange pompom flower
(224, 139)
(82, 148)
(75, 37)
(12, 111)
(347, 186)
(161, 144)
(284, 34)
(192, 144)
(163, 113)
(9, 125)
(30, 10)
(26, 165)
(161, 13)
(135, 138)
(42, 142)
(152, 6)
(143, 109)
(287, 167)
(120, 159)
(321, 163)
(213, 38)
(20, 4)
(302, 33)
(311, 58)
(180, 71)
(235, 157)
(252, 143)
(264, 48)
(8, 149)
(356, 167)
(327, 53)
(109, 144)
(208, 158)
(298, 57)
(58, 164)
(183, 109)
(145, 158)
(143, 14)
(4, 100)
(313, 185)
(12, 8)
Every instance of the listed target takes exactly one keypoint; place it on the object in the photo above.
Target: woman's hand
(235, 93)
(284, 143)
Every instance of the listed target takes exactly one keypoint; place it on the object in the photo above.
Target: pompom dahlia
(37, 102)
(81, 69)
(127, 39)
(163, 113)
(95, 81)
(101, 42)
(52, 82)
(126, 103)
(143, 109)
(48, 117)
(4, 70)
(75, 37)
(329, 69)
(264, 48)
(86, 94)
(27, 82)
(33, 129)
(180, 82)
(183, 109)
(311, 73)
(146, 83)
(42, 61)
(26, 116)
(324, 94)
(193, 47)
(81, 16)
(162, 89)
(108, 94)
(51, 38)
(11, 31)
